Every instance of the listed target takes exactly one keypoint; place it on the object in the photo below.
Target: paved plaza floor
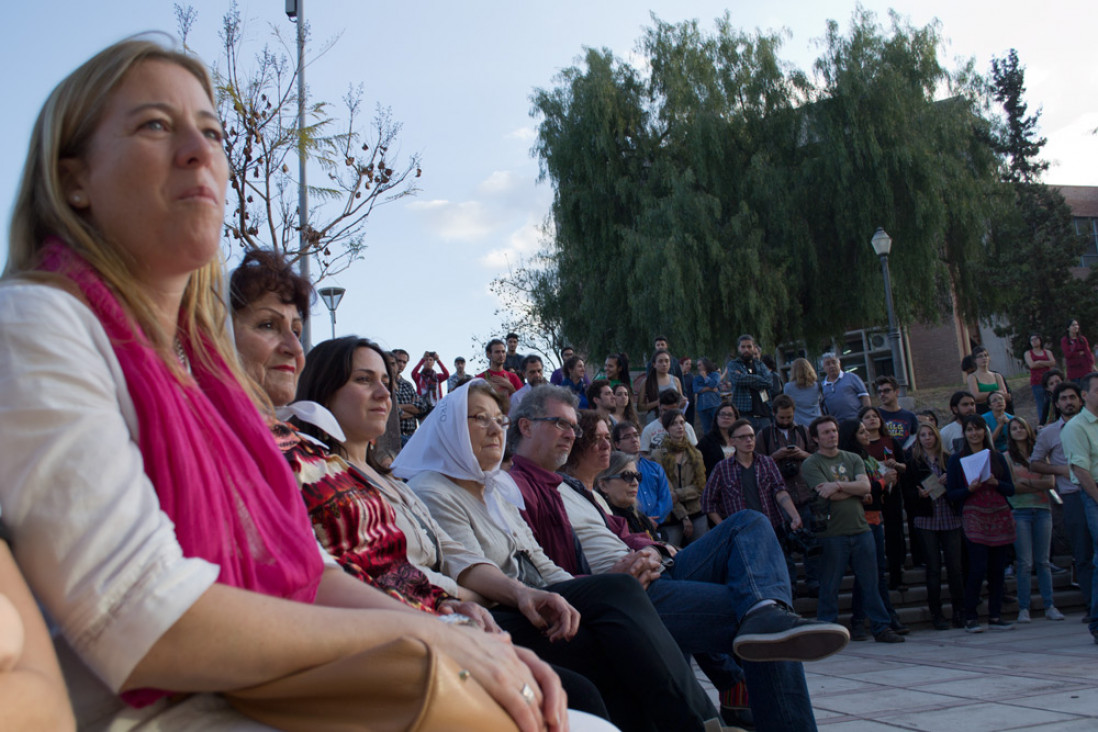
(1043, 675)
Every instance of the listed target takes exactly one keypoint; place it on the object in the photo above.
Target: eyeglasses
(744, 437)
(628, 436)
(561, 424)
(628, 477)
(486, 422)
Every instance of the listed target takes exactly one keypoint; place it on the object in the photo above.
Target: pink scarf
(207, 450)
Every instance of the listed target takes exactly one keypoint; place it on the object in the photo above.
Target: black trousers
(623, 647)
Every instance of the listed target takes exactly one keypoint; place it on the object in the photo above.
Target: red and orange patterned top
(354, 522)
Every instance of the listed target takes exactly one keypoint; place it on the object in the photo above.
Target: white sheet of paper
(977, 466)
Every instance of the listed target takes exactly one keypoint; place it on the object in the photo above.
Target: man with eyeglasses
(728, 592)
(748, 481)
(654, 494)
(898, 422)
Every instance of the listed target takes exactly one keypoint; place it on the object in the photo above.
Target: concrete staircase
(911, 604)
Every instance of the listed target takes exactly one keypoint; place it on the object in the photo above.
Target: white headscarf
(442, 445)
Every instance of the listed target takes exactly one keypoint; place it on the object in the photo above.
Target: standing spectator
(575, 379)
(898, 422)
(428, 381)
(407, 398)
(459, 377)
(707, 392)
(1032, 519)
(1078, 359)
(987, 523)
(1080, 441)
(534, 374)
(776, 382)
(624, 411)
(890, 456)
(616, 369)
(717, 443)
(788, 444)
(654, 493)
(513, 361)
(558, 374)
(937, 525)
(600, 397)
(983, 381)
(962, 404)
(854, 438)
(686, 367)
(751, 384)
(1039, 360)
(657, 380)
(1048, 458)
(503, 381)
(660, 343)
(997, 418)
(1052, 379)
(841, 484)
(804, 389)
(686, 472)
(844, 392)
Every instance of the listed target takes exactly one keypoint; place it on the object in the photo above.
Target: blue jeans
(1031, 545)
(712, 585)
(705, 419)
(857, 612)
(1090, 508)
(1040, 398)
(860, 552)
(1082, 545)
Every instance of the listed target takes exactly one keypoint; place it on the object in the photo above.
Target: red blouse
(354, 523)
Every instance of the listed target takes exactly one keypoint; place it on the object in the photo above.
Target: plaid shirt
(943, 517)
(724, 491)
(406, 394)
(744, 382)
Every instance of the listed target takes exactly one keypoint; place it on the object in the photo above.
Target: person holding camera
(789, 445)
(428, 381)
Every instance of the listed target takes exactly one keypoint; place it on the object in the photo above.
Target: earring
(77, 199)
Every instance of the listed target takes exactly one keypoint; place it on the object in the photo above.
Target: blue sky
(459, 76)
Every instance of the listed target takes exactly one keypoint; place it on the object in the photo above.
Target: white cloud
(523, 243)
(466, 221)
(1072, 150)
(500, 181)
(524, 134)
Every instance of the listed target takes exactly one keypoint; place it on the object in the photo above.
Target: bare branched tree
(257, 103)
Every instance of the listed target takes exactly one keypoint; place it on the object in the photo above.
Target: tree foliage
(359, 164)
(724, 191)
(1032, 244)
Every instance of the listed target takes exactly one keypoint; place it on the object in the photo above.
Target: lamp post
(295, 11)
(331, 297)
(882, 245)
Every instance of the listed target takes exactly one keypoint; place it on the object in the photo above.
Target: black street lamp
(882, 245)
(331, 297)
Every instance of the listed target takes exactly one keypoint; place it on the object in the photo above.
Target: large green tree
(724, 191)
(1032, 244)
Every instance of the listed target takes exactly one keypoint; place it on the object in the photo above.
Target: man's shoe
(940, 623)
(858, 632)
(775, 633)
(1023, 615)
(1053, 613)
(999, 624)
(1057, 570)
(898, 628)
(973, 626)
(888, 635)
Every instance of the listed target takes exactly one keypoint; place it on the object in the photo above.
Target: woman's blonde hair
(803, 373)
(64, 130)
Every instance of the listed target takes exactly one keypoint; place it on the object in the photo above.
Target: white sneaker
(1023, 615)
(1051, 613)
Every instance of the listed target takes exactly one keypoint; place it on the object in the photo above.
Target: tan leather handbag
(402, 685)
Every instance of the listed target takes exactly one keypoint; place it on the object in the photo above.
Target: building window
(1087, 226)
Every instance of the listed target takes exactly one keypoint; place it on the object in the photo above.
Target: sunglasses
(627, 476)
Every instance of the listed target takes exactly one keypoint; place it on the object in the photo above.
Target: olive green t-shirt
(847, 516)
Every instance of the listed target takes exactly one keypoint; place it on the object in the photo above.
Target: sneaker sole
(808, 643)
(977, 629)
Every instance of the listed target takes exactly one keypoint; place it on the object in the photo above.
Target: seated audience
(717, 443)
(618, 485)
(685, 471)
(654, 432)
(624, 411)
(654, 495)
(574, 380)
(150, 511)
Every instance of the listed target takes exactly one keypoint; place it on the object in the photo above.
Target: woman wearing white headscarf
(453, 464)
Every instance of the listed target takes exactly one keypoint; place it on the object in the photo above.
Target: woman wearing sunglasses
(619, 484)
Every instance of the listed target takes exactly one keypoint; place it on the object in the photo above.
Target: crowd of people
(223, 532)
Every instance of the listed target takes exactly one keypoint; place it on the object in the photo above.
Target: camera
(803, 542)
